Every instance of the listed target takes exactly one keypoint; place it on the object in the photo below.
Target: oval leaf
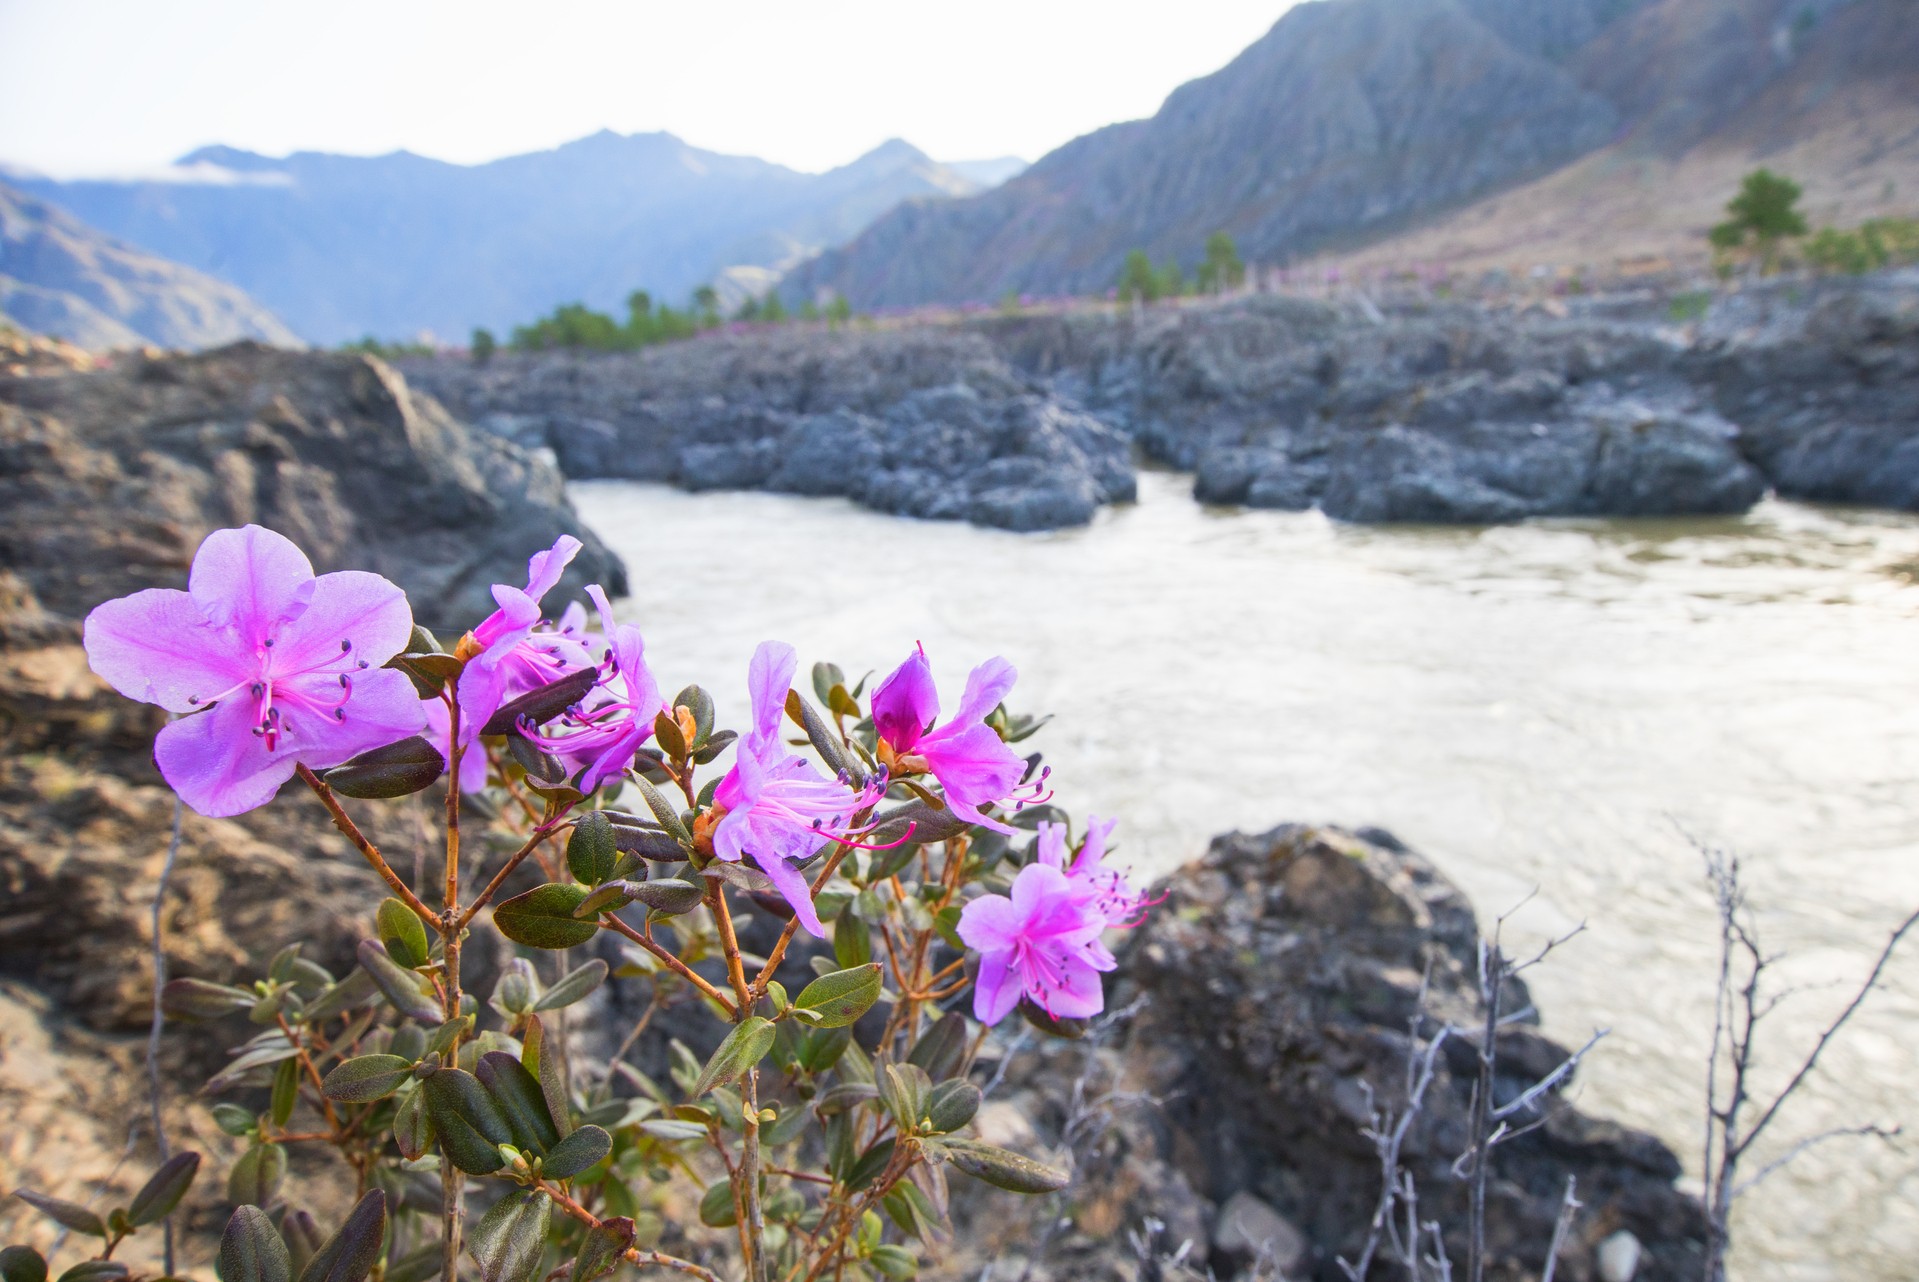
(668, 895)
(543, 704)
(836, 1000)
(22, 1264)
(601, 1249)
(508, 1240)
(1004, 1170)
(396, 770)
(574, 986)
(468, 1122)
(403, 933)
(951, 1105)
(67, 1214)
(590, 851)
(94, 1271)
(255, 1177)
(744, 1047)
(251, 1249)
(350, 1254)
(576, 1152)
(717, 1208)
(190, 1000)
(161, 1193)
(520, 1099)
(365, 1078)
(543, 917)
(411, 993)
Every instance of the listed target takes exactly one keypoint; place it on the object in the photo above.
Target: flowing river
(1554, 710)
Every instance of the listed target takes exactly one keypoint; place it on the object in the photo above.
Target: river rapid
(1553, 712)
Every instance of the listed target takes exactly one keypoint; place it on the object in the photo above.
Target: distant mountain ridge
(1352, 121)
(343, 246)
(63, 278)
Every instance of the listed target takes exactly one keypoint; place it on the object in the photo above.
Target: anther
(345, 645)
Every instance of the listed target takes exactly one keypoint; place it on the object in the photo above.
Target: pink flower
(511, 658)
(776, 806)
(604, 731)
(974, 766)
(1041, 943)
(289, 664)
(1105, 891)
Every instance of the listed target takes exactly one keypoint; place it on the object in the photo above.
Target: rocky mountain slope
(1354, 121)
(344, 246)
(110, 479)
(60, 277)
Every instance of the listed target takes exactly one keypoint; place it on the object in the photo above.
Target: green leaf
(544, 1063)
(164, 1189)
(669, 895)
(233, 1119)
(602, 1248)
(415, 1266)
(518, 989)
(825, 677)
(543, 917)
(468, 1122)
(946, 922)
(286, 1092)
(508, 1240)
(256, 1175)
(663, 811)
(870, 1164)
(357, 989)
(410, 993)
(521, 1102)
(852, 941)
(365, 1078)
(576, 1152)
(666, 733)
(403, 933)
(1002, 1169)
(744, 1047)
(573, 986)
(350, 1254)
(412, 1127)
(700, 704)
(67, 1214)
(395, 770)
(912, 1210)
(94, 1271)
(608, 897)
(671, 1129)
(543, 704)
(836, 1000)
(717, 1208)
(821, 1048)
(22, 1264)
(251, 1249)
(903, 1089)
(302, 1237)
(192, 1000)
(951, 1105)
(895, 1261)
(647, 842)
(822, 737)
(590, 851)
(941, 1049)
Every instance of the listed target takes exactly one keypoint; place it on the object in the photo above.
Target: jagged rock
(110, 479)
(926, 422)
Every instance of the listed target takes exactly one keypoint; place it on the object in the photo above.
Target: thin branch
(345, 824)
(1813, 1141)
(159, 1015)
(1568, 1207)
(1550, 1080)
(672, 962)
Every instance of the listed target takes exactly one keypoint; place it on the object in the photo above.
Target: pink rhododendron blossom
(511, 657)
(281, 668)
(974, 766)
(606, 728)
(777, 807)
(1042, 942)
(1105, 891)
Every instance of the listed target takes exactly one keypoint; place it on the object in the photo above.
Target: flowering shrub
(915, 864)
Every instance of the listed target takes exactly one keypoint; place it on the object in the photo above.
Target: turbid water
(1549, 710)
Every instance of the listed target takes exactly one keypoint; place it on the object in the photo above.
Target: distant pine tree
(1221, 269)
(1764, 213)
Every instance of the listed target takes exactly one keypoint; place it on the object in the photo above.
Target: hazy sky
(104, 86)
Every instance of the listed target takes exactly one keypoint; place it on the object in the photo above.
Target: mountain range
(1580, 127)
(61, 277)
(347, 246)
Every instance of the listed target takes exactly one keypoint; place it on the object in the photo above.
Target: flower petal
(986, 686)
(989, 923)
(906, 704)
(217, 764)
(156, 646)
(791, 883)
(973, 764)
(543, 569)
(996, 991)
(1079, 996)
(1052, 845)
(350, 605)
(768, 678)
(383, 708)
(250, 579)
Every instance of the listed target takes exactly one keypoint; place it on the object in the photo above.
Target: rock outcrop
(110, 479)
(1277, 988)
(925, 422)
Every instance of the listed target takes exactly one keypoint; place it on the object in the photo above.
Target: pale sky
(122, 86)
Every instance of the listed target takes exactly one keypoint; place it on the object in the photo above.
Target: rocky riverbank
(110, 478)
(1426, 411)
